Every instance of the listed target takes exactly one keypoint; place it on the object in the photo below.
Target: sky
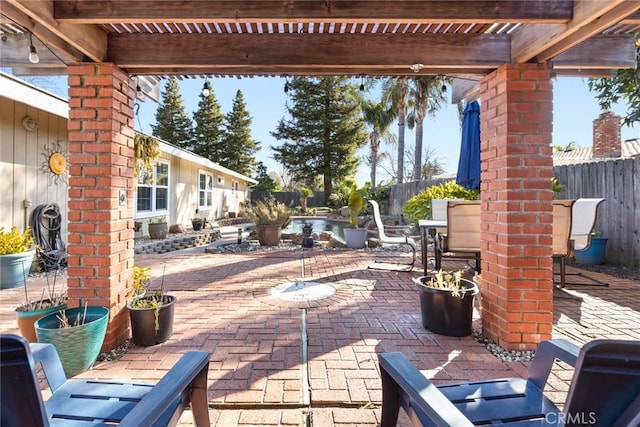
(574, 110)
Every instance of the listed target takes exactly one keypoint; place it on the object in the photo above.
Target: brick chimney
(607, 140)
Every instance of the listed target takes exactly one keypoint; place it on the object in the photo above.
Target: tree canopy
(323, 131)
(172, 123)
(239, 148)
(209, 121)
(624, 85)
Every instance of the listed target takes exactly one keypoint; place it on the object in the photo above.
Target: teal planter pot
(14, 268)
(77, 346)
(594, 254)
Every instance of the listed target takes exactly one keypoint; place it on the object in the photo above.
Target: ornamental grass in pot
(270, 216)
(446, 302)
(51, 301)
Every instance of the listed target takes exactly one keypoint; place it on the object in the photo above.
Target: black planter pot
(444, 313)
(143, 322)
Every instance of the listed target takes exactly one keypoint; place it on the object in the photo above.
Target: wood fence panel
(618, 182)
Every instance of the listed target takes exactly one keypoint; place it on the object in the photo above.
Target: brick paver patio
(281, 363)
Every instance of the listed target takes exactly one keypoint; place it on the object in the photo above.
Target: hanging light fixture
(206, 88)
(139, 92)
(361, 83)
(33, 54)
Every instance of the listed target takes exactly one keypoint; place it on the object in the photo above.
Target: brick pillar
(100, 252)
(516, 123)
(607, 138)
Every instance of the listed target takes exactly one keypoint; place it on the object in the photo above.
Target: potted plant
(141, 280)
(197, 223)
(158, 228)
(28, 313)
(151, 316)
(16, 255)
(305, 193)
(446, 303)
(355, 237)
(270, 217)
(77, 334)
(594, 253)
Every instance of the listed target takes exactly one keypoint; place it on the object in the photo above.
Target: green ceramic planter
(77, 346)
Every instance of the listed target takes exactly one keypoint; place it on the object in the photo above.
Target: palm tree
(395, 92)
(379, 118)
(427, 97)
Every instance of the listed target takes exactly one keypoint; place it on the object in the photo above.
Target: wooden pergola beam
(541, 42)
(337, 11)
(311, 51)
(89, 40)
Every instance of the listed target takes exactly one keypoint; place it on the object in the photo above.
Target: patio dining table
(428, 227)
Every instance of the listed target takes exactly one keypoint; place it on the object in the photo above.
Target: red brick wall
(100, 250)
(516, 124)
(607, 138)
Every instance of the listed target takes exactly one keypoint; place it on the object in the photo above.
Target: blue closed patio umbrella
(469, 163)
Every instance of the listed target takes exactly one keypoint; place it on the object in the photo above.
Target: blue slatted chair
(604, 391)
(80, 403)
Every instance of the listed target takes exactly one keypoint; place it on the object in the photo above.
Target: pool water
(319, 225)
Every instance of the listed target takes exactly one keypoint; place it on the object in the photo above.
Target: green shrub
(419, 206)
(356, 203)
(14, 241)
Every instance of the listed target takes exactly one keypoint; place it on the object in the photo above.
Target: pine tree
(208, 118)
(172, 123)
(239, 149)
(265, 182)
(323, 132)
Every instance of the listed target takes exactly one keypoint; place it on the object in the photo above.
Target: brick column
(516, 123)
(607, 135)
(100, 252)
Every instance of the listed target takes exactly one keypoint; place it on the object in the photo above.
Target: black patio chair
(79, 402)
(604, 390)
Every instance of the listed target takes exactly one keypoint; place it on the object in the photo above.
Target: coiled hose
(46, 221)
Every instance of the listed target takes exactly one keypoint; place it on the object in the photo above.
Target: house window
(152, 195)
(220, 180)
(234, 186)
(205, 187)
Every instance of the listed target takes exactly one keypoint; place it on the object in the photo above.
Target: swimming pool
(319, 225)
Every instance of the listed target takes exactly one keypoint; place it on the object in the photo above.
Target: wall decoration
(55, 162)
(29, 123)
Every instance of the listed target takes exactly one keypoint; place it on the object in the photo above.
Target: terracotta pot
(27, 319)
(269, 235)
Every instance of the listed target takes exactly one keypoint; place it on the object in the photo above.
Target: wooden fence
(618, 181)
(290, 198)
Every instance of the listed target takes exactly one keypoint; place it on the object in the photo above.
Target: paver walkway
(277, 362)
